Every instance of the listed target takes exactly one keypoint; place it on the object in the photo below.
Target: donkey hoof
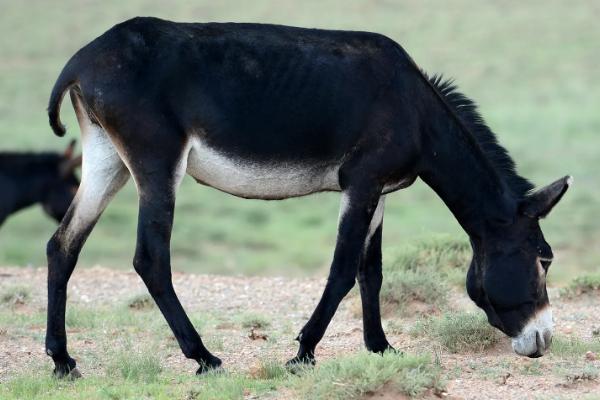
(66, 370)
(211, 365)
(299, 363)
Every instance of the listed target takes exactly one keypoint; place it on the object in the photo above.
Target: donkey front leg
(152, 263)
(370, 278)
(356, 211)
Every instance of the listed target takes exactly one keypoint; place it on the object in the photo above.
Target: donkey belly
(258, 180)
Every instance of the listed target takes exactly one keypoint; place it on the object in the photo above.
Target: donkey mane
(465, 110)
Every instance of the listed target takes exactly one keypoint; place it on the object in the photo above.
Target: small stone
(590, 356)
(568, 329)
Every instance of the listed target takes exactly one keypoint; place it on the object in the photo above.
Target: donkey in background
(272, 112)
(31, 178)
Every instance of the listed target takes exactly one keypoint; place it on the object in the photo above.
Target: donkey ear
(540, 203)
(70, 150)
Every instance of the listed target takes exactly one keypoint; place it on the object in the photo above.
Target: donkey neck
(31, 189)
(456, 168)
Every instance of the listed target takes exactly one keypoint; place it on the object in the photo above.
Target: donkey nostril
(539, 344)
(547, 338)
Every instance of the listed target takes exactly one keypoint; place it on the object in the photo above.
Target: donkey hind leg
(357, 208)
(369, 279)
(152, 257)
(102, 175)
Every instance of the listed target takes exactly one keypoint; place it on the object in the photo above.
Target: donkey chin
(535, 338)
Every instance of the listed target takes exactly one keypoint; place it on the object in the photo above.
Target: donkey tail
(67, 78)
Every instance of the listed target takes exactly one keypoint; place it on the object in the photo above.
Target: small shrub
(459, 332)
(588, 373)
(255, 321)
(365, 373)
(270, 369)
(582, 285)
(423, 272)
(141, 302)
(572, 346)
(400, 288)
(439, 253)
(15, 295)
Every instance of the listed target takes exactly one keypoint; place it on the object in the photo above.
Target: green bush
(424, 272)
(365, 373)
(582, 285)
(459, 332)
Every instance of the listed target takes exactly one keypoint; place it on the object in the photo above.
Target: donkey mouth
(536, 336)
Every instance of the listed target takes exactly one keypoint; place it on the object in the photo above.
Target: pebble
(568, 329)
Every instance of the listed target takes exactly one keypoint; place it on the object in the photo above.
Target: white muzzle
(536, 336)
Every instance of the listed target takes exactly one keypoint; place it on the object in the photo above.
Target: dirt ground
(287, 303)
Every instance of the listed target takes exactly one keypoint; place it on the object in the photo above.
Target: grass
(459, 332)
(585, 284)
(423, 272)
(364, 374)
(142, 301)
(254, 320)
(573, 346)
(533, 80)
(138, 367)
(15, 295)
(164, 386)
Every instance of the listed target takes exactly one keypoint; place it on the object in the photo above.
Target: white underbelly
(260, 180)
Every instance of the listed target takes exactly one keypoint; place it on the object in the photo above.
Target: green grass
(586, 284)
(142, 301)
(254, 320)
(459, 332)
(138, 374)
(15, 295)
(162, 386)
(365, 373)
(532, 66)
(138, 367)
(423, 272)
(573, 346)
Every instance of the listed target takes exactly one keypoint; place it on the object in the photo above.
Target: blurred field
(532, 66)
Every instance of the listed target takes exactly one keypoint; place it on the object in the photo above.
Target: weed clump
(136, 367)
(423, 273)
(573, 346)
(141, 302)
(254, 321)
(582, 285)
(459, 332)
(366, 374)
(15, 295)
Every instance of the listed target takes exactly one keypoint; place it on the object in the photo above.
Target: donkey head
(507, 277)
(63, 184)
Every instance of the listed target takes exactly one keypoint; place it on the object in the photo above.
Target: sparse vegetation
(15, 295)
(255, 321)
(441, 253)
(459, 331)
(582, 285)
(573, 346)
(402, 288)
(365, 373)
(143, 366)
(141, 301)
(421, 273)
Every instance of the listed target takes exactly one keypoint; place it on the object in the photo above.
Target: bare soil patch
(285, 304)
